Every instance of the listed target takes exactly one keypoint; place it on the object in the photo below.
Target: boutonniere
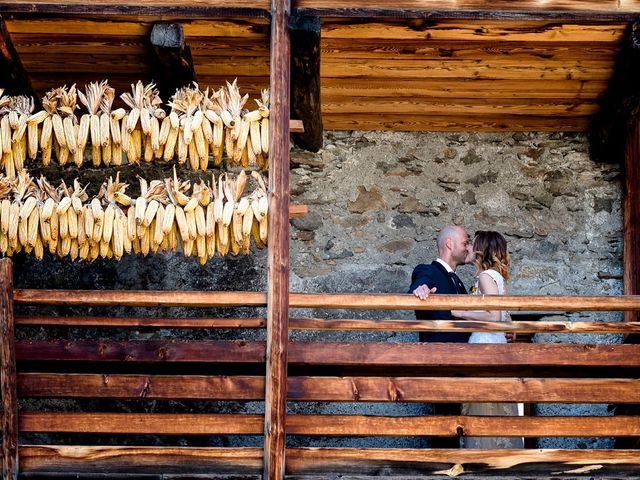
(473, 290)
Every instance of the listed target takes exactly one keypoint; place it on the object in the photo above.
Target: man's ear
(449, 243)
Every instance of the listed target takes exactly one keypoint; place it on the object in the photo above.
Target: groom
(454, 245)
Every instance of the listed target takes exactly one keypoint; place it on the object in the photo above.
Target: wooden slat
(456, 326)
(464, 88)
(8, 393)
(331, 389)
(69, 458)
(631, 216)
(424, 105)
(137, 322)
(455, 123)
(444, 69)
(421, 461)
(278, 263)
(330, 301)
(450, 389)
(150, 387)
(453, 426)
(480, 30)
(142, 351)
(330, 353)
(399, 325)
(141, 423)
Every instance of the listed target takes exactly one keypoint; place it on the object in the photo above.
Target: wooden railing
(319, 371)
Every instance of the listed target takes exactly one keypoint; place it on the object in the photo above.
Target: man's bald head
(453, 232)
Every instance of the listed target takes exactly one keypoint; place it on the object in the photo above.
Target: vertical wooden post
(631, 215)
(8, 374)
(278, 277)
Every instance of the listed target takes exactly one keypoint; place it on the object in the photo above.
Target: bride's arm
(486, 286)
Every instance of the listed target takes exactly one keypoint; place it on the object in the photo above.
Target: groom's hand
(511, 337)
(423, 291)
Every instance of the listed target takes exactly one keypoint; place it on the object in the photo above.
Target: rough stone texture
(376, 202)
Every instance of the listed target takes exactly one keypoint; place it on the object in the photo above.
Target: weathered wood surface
(14, 79)
(8, 393)
(330, 425)
(399, 325)
(335, 353)
(278, 260)
(331, 388)
(330, 301)
(183, 460)
(421, 461)
(631, 211)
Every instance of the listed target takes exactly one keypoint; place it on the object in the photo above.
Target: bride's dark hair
(491, 252)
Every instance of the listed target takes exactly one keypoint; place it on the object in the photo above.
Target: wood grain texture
(335, 353)
(422, 461)
(330, 388)
(8, 392)
(165, 460)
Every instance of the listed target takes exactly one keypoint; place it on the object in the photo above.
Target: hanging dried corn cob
(177, 201)
(6, 188)
(144, 102)
(15, 114)
(90, 123)
(186, 106)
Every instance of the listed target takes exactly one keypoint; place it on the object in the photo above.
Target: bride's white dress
(492, 409)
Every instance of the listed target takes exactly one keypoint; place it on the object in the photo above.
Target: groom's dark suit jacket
(435, 275)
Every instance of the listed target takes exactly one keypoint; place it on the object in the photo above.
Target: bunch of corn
(141, 127)
(101, 125)
(18, 132)
(186, 116)
(60, 127)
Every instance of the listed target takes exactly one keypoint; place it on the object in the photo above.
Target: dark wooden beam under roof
(171, 62)
(13, 76)
(305, 80)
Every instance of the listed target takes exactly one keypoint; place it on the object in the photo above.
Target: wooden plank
(443, 69)
(462, 389)
(424, 460)
(525, 52)
(480, 30)
(426, 105)
(140, 298)
(459, 354)
(145, 322)
(631, 215)
(141, 351)
(150, 387)
(334, 353)
(278, 263)
(165, 460)
(330, 301)
(401, 325)
(456, 123)
(464, 88)
(135, 476)
(331, 389)
(141, 423)
(14, 78)
(197, 8)
(8, 393)
(458, 425)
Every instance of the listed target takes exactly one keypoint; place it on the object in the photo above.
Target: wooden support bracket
(170, 58)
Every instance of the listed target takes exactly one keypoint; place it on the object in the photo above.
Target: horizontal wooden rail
(331, 389)
(71, 458)
(329, 301)
(334, 353)
(421, 461)
(338, 324)
(330, 425)
(46, 458)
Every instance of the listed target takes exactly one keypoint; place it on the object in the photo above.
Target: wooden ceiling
(458, 66)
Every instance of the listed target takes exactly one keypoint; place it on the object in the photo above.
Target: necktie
(458, 283)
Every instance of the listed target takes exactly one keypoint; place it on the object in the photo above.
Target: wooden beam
(171, 62)
(305, 80)
(13, 76)
(8, 389)
(278, 265)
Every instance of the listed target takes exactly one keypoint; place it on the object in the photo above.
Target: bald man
(439, 277)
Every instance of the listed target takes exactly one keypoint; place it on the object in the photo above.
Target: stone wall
(376, 202)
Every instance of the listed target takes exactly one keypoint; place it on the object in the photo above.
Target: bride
(492, 262)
